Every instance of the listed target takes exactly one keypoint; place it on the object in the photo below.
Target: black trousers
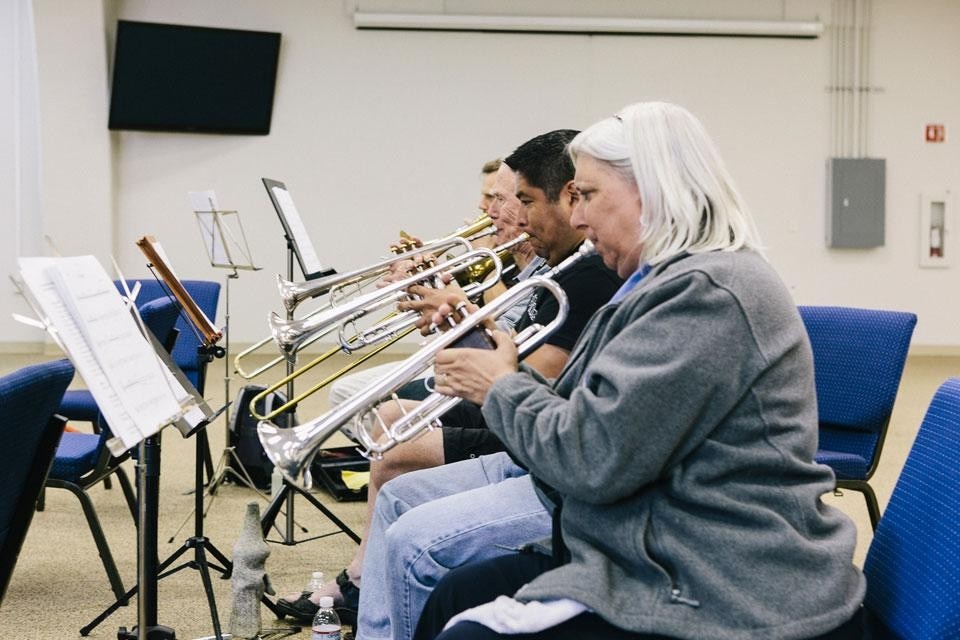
(477, 583)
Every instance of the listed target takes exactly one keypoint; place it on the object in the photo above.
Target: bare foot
(330, 588)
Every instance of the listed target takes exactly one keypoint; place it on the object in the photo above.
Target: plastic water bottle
(315, 583)
(326, 624)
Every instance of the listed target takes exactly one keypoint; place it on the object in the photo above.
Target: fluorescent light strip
(587, 25)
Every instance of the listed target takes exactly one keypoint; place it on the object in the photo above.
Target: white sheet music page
(307, 253)
(205, 206)
(203, 200)
(210, 231)
(118, 364)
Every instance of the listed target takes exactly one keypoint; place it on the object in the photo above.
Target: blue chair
(913, 565)
(82, 459)
(78, 405)
(30, 432)
(858, 359)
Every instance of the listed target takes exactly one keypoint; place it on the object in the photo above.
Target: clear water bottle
(326, 624)
(315, 583)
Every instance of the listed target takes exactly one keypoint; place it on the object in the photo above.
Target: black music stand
(148, 482)
(118, 363)
(300, 248)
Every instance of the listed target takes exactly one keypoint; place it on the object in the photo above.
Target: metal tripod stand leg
(199, 544)
(222, 469)
(287, 495)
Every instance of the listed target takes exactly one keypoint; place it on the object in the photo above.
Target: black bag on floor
(242, 435)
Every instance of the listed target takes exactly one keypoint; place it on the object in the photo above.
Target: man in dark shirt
(539, 176)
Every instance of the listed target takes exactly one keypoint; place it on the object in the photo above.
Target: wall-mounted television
(200, 79)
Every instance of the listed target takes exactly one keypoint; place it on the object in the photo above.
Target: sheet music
(120, 368)
(311, 263)
(161, 264)
(212, 238)
(163, 255)
(204, 204)
(203, 200)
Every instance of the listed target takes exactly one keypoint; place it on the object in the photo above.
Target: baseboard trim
(944, 350)
(26, 348)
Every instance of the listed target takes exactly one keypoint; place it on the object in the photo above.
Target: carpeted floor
(59, 584)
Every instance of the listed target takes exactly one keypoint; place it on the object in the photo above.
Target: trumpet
(396, 323)
(293, 449)
(293, 293)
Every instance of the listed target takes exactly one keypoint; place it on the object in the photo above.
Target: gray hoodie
(681, 435)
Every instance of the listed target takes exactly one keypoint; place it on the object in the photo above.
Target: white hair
(689, 201)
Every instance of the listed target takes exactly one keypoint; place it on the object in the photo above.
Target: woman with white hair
(678, 442)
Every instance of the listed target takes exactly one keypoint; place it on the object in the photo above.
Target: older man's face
(486, 191)
(505, 207)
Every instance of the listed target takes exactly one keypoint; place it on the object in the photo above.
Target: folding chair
(913, 565)
(30, 432)
(858, 359)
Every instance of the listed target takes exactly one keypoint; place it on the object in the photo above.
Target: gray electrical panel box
(856, 202)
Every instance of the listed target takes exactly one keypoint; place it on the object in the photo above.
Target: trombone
(292, 450)
(293, 293)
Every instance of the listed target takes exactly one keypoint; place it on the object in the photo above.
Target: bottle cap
(326, 602)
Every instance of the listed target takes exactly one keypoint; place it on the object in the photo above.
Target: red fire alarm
(934, 133)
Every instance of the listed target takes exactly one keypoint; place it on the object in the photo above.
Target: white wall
(20, 212)
(374, 132)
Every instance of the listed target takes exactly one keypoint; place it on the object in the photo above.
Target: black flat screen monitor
(200, 79)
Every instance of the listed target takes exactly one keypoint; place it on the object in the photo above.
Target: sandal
(349, 591)
(301, 609)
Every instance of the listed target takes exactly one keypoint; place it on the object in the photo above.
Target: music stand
(226, 245)
(81, 308)
(210, 335)
(300, 247)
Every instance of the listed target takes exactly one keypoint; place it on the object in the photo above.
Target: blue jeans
(428, 522)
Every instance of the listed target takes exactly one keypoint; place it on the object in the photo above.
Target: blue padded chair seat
(844, 465)
(76, 455)
(79, 405)
(848, 452)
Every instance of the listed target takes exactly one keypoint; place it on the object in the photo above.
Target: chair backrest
(206, 294)
(29, 398)
(161, 316)
(913, 565)
(858, 357)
